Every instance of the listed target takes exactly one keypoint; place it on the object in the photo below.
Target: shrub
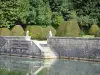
(93, 30)
(69, 28)
(17, 31)
(35, 31)
(46, 31)
(98, 33)
(4, 32)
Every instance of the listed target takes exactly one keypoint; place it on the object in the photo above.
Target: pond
(12, 65)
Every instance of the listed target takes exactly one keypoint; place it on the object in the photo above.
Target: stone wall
(76, 47)
(19, 46)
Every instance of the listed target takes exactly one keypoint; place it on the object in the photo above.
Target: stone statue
(50, 33)
(27, 33)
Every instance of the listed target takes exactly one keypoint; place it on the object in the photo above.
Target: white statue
(27, 33)
(50, 33)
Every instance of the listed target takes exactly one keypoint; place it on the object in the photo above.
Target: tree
(63, 7)
(39, 13)
(87, 10)
(57, 19)
(13, 12)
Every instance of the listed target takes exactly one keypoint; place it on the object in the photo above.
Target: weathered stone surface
(18, 46)
(2, 41)
(76, 47)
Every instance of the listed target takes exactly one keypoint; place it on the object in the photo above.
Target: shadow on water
(12, 65)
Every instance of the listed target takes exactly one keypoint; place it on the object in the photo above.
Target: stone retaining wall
(75, 47)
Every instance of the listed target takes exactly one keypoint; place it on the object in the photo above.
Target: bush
(17, 31)
(46, 31)
(93, 30)
(35, 31)
(4, 32)
(98, 33)
(69, 28)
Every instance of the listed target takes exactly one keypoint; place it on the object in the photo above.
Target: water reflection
(69, 67)
(20, 64)
(12, 65)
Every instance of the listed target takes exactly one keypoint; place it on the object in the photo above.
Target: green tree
(87, 10)
(39, 13)
(57, 19)
(13, 12)
(63, 7)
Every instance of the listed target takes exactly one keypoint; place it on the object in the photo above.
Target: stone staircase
(47, 52)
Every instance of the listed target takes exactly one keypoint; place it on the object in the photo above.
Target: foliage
(93, 30)
(17, 31)
(56, 20)
(69, 28)
(4, 32)
(49, 12)
(88, 36)
(35, 31)
(86, 20)
(46, 31)
(39, 13)
(13, 12)
(88, 11)
(63, 7)
(98, 33)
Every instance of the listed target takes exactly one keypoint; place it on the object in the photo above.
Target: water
(16, 65)
(70, 67)
(12, 65)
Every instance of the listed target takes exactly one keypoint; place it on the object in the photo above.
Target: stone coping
(77, 38)
(17, 37)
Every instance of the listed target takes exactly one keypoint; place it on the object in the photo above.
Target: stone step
(48, 53)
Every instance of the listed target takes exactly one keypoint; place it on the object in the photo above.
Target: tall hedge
(4, 32)
(46, 31)
(17, 31)
(98, 33)
(35, 31)
(93, 30)
(69, 28)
